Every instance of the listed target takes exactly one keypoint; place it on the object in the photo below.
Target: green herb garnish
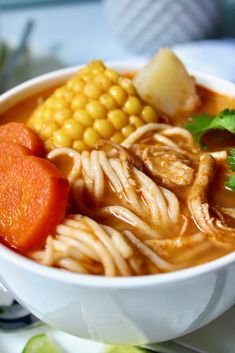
(230, 183)
(203, 123)
(231, 160)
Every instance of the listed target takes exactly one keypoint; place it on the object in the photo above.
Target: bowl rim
(212, 82)
(129, 282)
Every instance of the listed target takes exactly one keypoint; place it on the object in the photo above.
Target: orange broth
(211, 103)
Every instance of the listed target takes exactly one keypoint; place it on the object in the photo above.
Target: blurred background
(37, 36)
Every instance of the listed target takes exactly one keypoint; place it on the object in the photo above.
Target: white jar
(146, 25)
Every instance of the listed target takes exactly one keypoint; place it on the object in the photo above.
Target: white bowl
(132, 310)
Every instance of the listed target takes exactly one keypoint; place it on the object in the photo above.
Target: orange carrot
(23, 135)
(11, 149)
(33, 198)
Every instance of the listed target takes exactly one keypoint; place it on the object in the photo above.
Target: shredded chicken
(211, 224)
(165, 164)
(116, 150)
(227, 211)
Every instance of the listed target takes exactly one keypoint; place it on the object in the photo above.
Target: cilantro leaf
(231, 160)
(230, 183)
(203, 123)
(225, 121)
(198, 125)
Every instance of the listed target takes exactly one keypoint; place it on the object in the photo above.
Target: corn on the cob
(96, 103)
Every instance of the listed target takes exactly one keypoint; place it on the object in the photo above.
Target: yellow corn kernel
(80, 146)
(87, 76)
(97, 71)
(149, 114)
(69, 84)
(97, 67)
(68, 96)
(117, 138)
(73, 128)
(39, 113)
(133, 106)
(49, 145)
(31, 122)
(83, 70)
(61, 139)
(127, 85)
(127, 130)
(91, 136)
(108, 101)
(77, 86)
(137, 122)
(118, 118)
(63, 114)
(79, 102)
(96, 110)
(60, 103)
(36, 123)
(50, 102)
(48, 129)
(103, 82)
(113, 75)
(83, 117)
(92, 91)
(59, 93)
(95, 103)
(47, 114)
(118, 94)
(104, 127)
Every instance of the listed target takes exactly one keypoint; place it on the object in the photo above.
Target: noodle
(141, 197)
(131, 222)
(164, 140)
(64, 250)
(151, 255)
(73, 175)
(143, 130)
(178, 131)
(129, 217)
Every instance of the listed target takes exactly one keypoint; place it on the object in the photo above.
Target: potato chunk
(165, 84)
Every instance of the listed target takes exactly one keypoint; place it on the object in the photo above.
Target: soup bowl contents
(119, 171)
(140, 177)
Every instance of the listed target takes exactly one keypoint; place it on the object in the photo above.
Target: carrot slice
(13, 150)
(23, 135)
(33, 198)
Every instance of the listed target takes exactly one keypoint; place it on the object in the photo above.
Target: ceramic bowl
(134, 310)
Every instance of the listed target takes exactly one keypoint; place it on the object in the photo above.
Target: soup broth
(112, 186)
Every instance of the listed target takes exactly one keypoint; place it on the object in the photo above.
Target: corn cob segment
(96, 103)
